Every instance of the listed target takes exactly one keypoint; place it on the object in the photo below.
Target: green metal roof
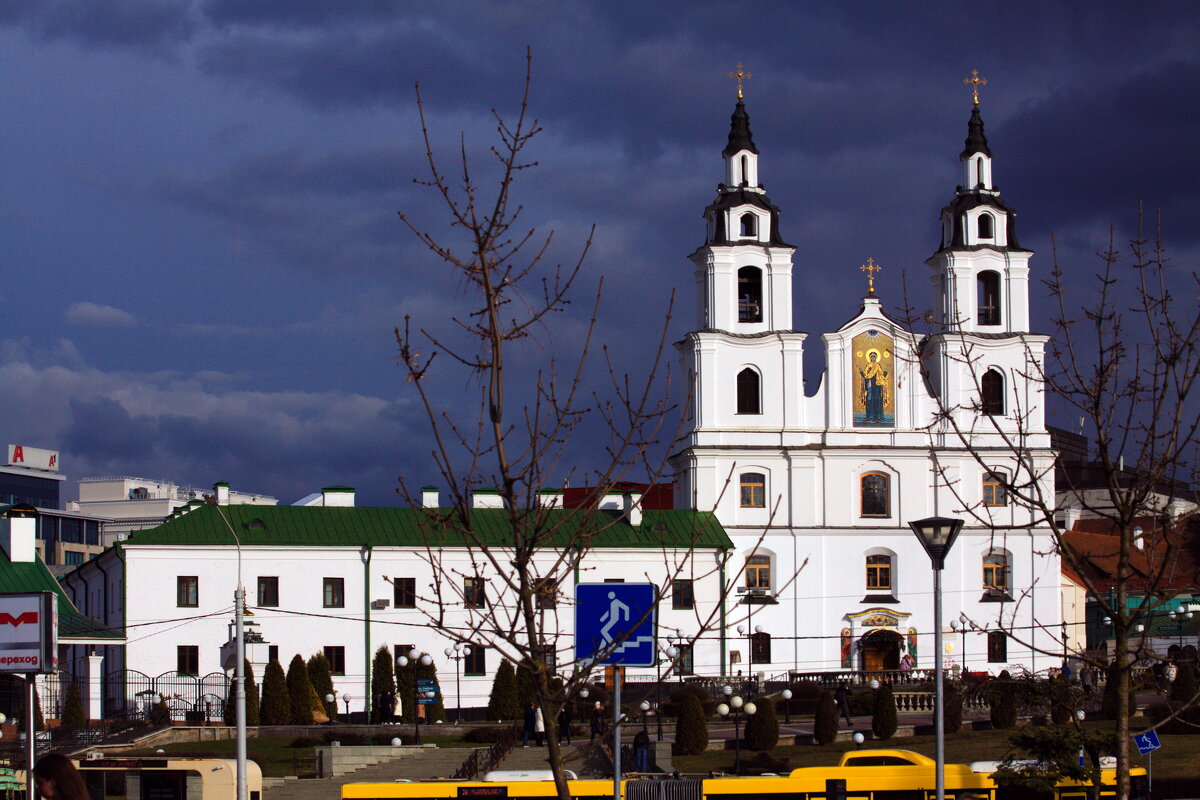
(34, 577)
(321, 526)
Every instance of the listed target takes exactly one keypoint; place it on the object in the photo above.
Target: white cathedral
(817, 490)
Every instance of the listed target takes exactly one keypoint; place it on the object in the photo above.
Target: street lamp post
(346, 699)
(937, 535)
(239, 672)
(671, 652)
(330, 705)
(645, 707)
(416, 657)
(457, 654)
(736, 706)
(1180, 614)
(786, 694)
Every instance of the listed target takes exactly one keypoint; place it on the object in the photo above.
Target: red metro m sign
(29, 632)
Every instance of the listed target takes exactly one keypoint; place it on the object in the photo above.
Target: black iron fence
(189, 698)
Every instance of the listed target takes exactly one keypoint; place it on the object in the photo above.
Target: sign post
(615, 623)
(1147, 743)
(29, 647)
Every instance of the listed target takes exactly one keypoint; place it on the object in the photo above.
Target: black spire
(739, 132)
(976, 141)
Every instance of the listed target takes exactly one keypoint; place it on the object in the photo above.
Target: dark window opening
(747, 392)
(336, 656)
(879, 573)
(750, 292)
(474, 593)
(753, 490)
(758, 572)
(874, 495)
(995, 572)
(986, 226)
(997, 647)
(476, 661)
(683, 594)
(268, 591)
(404, 593)
(187, 659)
(187, 591)
(749, 224)
(334, 593)
(760, 648)
(988, 286)
(991, 391)
(685, 660)
(546, 593)
(993, 489)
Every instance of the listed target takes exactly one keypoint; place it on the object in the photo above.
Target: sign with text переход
(29, 633)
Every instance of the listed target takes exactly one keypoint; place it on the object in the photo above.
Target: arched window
(750, 294)
(758, 572)
(991, 393)
(993, 489)
(879, 573)
(995, 572)
(748, 392)
(745, 170)
(986, 226)
(753, 490)
(749, 224)
(874, 495)
(988, 285)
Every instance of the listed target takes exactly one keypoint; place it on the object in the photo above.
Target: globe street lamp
(671, 652)
(457, 654)
(330, 705)
(1180, 614)
(346, 699)
(736, 706)
(937, 535)
(786, 694)
(645, 707)
(416, 657)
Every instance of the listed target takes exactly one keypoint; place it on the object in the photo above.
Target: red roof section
(1170, 560)
(655, 496)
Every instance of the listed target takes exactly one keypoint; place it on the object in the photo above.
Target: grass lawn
(1177, 758)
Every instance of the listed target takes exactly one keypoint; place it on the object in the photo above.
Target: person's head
(57, 777)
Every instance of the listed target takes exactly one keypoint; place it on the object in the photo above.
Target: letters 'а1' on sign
(29, 633)
(615, 623)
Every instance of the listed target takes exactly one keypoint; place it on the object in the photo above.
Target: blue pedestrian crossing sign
(615, 623)
(1147, 742)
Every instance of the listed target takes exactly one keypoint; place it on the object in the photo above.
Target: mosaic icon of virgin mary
(874, 395)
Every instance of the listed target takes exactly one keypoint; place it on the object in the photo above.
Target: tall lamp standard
(737, 706)
(457, 654)
(937, 535)
(1180, 614)
(424, 659)
(239, 673)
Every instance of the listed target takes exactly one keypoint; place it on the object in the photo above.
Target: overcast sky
(201, 262)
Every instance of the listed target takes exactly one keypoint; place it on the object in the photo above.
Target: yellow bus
(861, 775)
(136, 778)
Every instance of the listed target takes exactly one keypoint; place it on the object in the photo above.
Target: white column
(95, 686)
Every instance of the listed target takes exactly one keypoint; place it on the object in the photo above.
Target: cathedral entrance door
(881, 650)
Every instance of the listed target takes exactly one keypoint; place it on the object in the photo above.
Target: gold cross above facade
(739, 75)
(975, 82)
(870, 268)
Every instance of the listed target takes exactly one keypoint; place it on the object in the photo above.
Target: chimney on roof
(429, 497)
(1071, 517)
(631, 507)
(337, 497)
(486, 498)
(1139, 537)
(550, 498)
(221, 492)
(18, 531)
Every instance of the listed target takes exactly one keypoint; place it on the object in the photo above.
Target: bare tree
(1124, 360)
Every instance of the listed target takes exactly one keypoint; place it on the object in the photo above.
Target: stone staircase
(431, 763)
(585, 760)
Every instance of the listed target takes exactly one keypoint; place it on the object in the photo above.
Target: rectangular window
(476, 661)
(268, 591)
(334, 595)
(272, 653)
(760, 648)
(404, 593)
(879, 573)
(546, 593)
(614, 580)
(753, 490)
(758, 572)
(336, 656)
(995, 572)
(685, 663)
(72, 558)
(187, 659)
(683, 594)
(474, 593)
(993, 490)
(187, 591)
(997, 647)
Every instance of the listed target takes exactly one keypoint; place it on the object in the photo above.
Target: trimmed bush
(39, 722)
(674, 704)
(503, 703)
(825, 721)
(383, 681)
(762, 728)
(276, 702)
(1183, 688)
(1003, 702)
(883, 713)
(252, 704)
(322, 681)
(952, 707)
(1110, 703)
(526, 693)
(691, 734)
(73, 715)
(485, 734)
(299, 692)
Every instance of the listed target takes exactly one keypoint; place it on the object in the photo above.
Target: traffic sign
(615, 623)
(1147, 742)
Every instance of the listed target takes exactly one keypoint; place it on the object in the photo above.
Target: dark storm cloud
(136, 24)
(299, 13)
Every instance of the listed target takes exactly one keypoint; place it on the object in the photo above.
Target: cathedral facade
(817, 490)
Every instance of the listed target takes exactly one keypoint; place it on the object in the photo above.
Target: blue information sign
(1147, 742)
(615, 623)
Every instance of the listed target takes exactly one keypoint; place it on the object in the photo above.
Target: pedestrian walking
(597, 723)
(564, 723)
(843, 701)
(529, 729)
(539, 725)
(641, 751)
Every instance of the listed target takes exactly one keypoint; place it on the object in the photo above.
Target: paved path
(434, 763)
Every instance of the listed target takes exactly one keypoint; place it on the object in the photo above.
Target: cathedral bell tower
(980, 272)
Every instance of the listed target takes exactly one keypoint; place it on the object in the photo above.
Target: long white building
(817, 488)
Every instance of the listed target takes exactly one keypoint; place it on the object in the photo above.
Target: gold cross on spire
(739, 75)
(975, 82)
(870, 268)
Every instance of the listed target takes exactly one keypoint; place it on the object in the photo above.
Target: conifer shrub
(436, 710)
(691, 734)
(952, 707)
(1003, 702)
(1183, 688)
(674, 704)
(39, 722)
(252, 704)
(883, 713)
(503, 703)
(73, 715)
(762, 727)
(276, 702)
(526, 693)
(160, 714)
(299, 692)
(825, 721)
(322, 682)
(383, 681)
